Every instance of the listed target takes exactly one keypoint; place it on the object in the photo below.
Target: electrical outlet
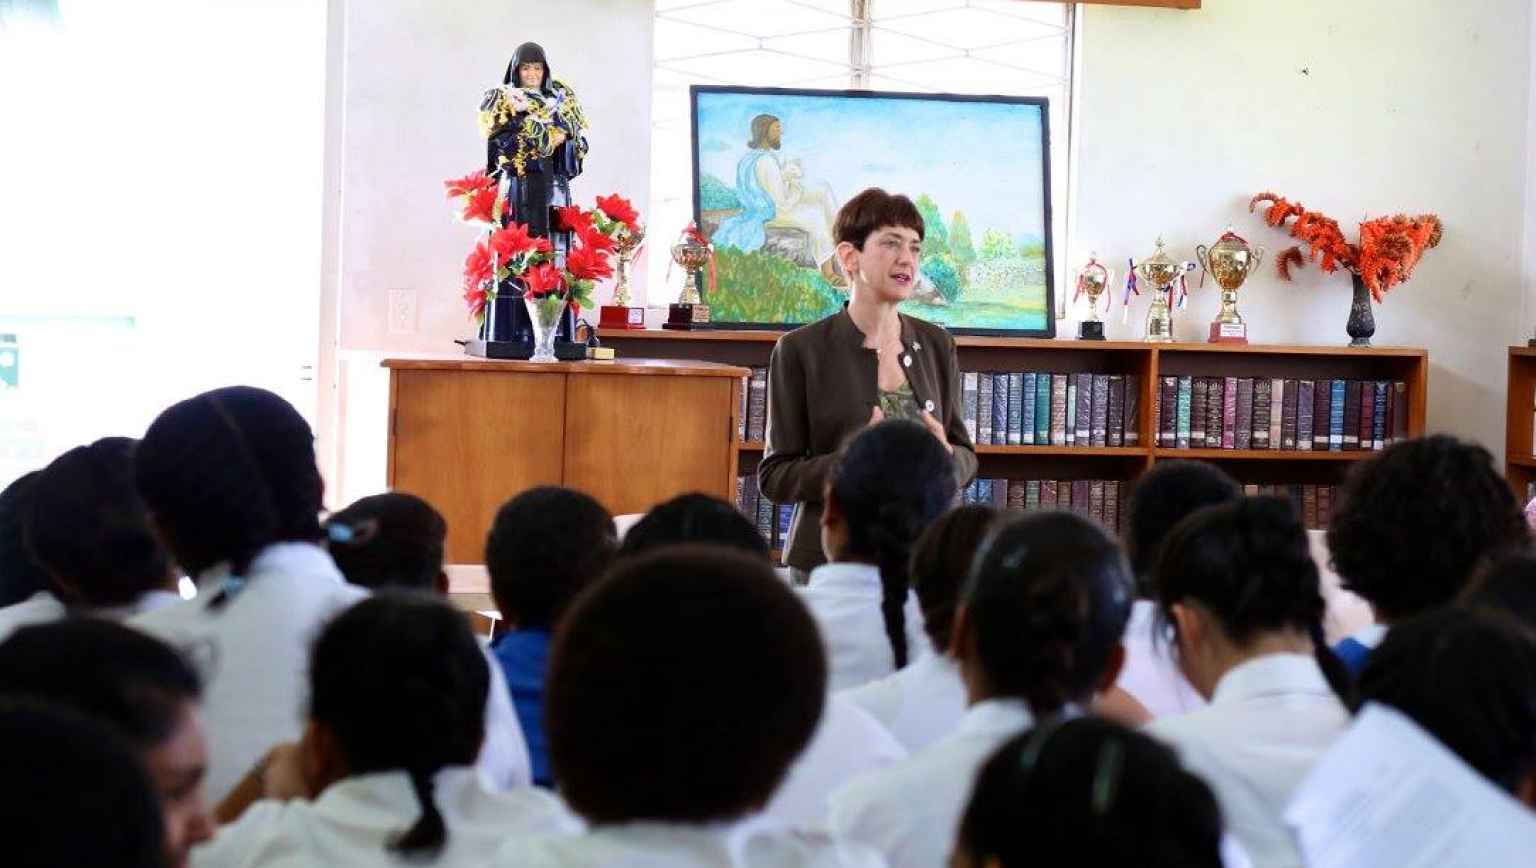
(402, 311)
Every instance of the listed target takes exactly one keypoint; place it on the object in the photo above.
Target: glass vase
(545, 312)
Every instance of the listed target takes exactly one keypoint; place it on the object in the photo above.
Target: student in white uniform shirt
(1037, 635)
(848, 741)
(230, 479)
(1467, 675)
(1237, 584)
(925, 701)
(396, 540)
(138, 686)
(886, 486)
(1161, 498)
(385, 772)
(87, 530)
(681, 687)
(1087, 791)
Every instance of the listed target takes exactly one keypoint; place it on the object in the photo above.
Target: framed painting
(771, 167)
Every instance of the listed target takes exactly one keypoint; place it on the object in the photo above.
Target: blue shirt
(524, 657)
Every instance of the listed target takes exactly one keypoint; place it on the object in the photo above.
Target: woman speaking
(856, 367)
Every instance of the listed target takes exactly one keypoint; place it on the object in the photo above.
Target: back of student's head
(545, 546)
(105, 670)
(940, 563)
(681, 687)
(1468, 676)
(1507, 585)
(889, 483)
(400, 683)
(1413, 523)
(20, 574)
(1160, 499)
(75, 793)
(227, 473)
(1044, 609)
(89, 530)
(1087, 791)
(392, 540)
(693, 518)
(1248, 565)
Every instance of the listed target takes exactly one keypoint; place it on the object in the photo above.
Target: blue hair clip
(337, 532)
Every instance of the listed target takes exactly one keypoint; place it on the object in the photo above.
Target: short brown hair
(871, 210)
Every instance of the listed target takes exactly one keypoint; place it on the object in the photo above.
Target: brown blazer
(822, 386)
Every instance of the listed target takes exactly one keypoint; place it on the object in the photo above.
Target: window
(952, 46)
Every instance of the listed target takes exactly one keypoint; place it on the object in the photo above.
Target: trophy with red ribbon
(693, 252)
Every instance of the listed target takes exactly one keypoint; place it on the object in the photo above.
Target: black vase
(1362, 324)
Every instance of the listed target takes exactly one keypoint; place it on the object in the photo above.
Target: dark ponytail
(228, 473)
(1248, 563)
(891, 482)
(401, 682)
(1045, 608)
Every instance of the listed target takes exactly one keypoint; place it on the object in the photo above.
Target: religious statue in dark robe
(535, 144)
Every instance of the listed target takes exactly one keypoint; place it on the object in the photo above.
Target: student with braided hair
(385, 771)
(887, 485)
(1037, 635)
(230, 479)
(1237, 585)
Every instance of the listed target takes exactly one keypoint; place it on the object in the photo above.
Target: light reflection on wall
(160, 183)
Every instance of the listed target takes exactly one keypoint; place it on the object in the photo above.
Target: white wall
(413, 73)
(1354, 107)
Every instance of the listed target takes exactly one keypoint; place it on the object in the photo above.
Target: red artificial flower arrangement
(511, 251)
(1388, 249)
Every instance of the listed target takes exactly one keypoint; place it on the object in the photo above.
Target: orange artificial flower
(481, 206)
(543, 279)
(511, 241)
(574, 219)
(478, 266)
(471, 183)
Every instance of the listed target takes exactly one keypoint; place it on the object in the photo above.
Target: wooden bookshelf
(1519, 457)
(1148, 362)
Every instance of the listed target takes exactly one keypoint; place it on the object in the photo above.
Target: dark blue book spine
(1336, 416)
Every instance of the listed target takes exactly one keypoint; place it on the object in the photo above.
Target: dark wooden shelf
(1264, 454)
(1084, 451)
(1521, 460)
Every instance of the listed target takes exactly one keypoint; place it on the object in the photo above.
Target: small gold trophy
(692, 252)
(1093, 280)
(621, 314)
(1161, 272)
(1230, 260)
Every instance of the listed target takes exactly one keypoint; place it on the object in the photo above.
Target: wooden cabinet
(468, 434)
(1520, 410)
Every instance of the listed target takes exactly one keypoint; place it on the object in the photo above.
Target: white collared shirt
(1270, 719)
(848, 742)
(40, 608)
(1150, 673)
(919, 704)
(911, 811)
(845, 599)
(757, 842)
(354, 820)
(254, 651)
(43, 607)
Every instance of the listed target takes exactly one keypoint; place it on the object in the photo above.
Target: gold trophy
(621, 314)
(1230, 260)
(692, 252)
(1161, 272)
(1093, 280)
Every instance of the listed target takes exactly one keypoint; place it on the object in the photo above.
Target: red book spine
(1228, 413)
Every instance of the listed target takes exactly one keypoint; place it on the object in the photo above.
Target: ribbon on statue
(1130, 289)
(1183, 291)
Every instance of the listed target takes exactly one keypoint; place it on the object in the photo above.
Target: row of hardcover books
(1038, 408)
(772, 519)
(754, 407)
(1103, 500)
(1264, 413)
